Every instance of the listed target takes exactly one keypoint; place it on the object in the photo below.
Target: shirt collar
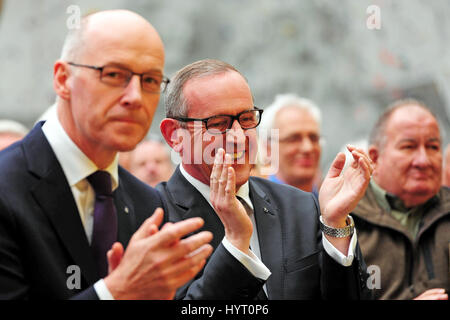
(75, 164)
(380, 195)
(243, 192)
(274, 178)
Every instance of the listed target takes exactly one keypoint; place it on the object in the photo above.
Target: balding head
(118, 24)
(108, 110)
(378, 134)
(10, 132)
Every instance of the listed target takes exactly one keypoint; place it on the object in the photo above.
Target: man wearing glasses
(67, 210)
(267, 239)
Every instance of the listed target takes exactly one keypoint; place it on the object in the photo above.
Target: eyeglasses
(152, 82)
(295, 139)
(219, 124)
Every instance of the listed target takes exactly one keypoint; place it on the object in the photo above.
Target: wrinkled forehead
(412, 122)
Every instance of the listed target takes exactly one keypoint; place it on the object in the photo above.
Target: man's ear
(373, 153)
(61, 74)
(170, 130)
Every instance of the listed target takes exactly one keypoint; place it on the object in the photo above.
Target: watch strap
(338, 232)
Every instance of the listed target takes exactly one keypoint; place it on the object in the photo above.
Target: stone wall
(319, 49)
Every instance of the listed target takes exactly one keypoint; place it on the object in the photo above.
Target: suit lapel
(193, 204)
(126, 216)
(190, 203)
(270, 238)
(53, 195)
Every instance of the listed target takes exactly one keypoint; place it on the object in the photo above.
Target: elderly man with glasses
(267, 240)
(296, 122)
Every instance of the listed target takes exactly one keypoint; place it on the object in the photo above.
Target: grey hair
(176, 105)
(12, 127)
(377, 136)
(287, 100)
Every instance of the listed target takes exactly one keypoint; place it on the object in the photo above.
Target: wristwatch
(338, 232)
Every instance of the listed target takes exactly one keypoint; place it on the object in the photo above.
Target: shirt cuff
(251, 261)
(102, 290)
(346, 261)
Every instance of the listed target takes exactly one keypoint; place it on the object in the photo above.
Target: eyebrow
(434, 140)
(414, 140)
(125, 66)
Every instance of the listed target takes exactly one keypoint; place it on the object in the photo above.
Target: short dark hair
(176, 104)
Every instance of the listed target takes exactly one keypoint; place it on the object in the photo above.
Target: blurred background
(332, 52)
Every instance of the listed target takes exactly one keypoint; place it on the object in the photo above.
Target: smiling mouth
(237, 155)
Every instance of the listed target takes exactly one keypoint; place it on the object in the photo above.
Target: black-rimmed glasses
(152, 82)
(219, 124)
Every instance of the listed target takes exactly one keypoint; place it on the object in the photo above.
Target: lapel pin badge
(126, 210)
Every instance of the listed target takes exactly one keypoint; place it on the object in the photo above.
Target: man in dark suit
(267, 237)
(64, 201)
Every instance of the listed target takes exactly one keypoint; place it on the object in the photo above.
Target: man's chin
(242, 175)
(425, 185)
(125, 146)
(128, 142)
(423, 192)
(127, 137)
(304, 178)
(420, 194)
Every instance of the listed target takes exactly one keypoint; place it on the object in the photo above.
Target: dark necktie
(105, 219)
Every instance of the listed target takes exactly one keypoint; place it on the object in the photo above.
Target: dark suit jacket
(41, 233)
(290, 244)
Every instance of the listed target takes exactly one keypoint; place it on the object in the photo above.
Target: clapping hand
(237, 224)
(157, 262)
(340, 193)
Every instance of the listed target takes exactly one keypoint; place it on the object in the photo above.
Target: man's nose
(132, 97)
(151, 167)
(236, 133)
(421, 158)
(306, 145)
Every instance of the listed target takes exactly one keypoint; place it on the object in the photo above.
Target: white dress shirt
(76, 167)
(253, 261)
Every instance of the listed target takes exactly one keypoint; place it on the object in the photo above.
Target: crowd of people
(247, 214)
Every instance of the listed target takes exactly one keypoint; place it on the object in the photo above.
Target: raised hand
(237, 223)
(340, 193)
(156, 263)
